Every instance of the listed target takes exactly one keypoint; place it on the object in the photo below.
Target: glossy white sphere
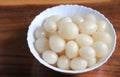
(90, 17)
(88, 27)
(71, 49)
(41, 44)
(102, 25)
(78, 20)
(78, 64)
(68, 30)
(87, 52)
(63, 62)
(54, 18)
(50, 26)
(39, 32)
(91, 61)
(84, 40)
(64, 19)
(101, 49)
(102, 36)
(50, 57)
(57, 44)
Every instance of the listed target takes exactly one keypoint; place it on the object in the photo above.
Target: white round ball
(63, 62)
(50, 26)
(91, 61)
(57, 44)
(50, 57)
(39, 32)
(102, 25)
(78, 64)
(54, 18)
(68, 30)
(41, 44)
(78, 20)
(64, 19)
(88, 27)
(90, 17)
(71, 49)
(102, 36)
(87, 52)
(84, 40)
(100, 48)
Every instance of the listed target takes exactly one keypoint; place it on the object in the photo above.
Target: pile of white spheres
(72, 43)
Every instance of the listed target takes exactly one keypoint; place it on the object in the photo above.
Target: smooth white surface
(39, 33)
(71, 49)
(90, 17)
(64, 19)
(84, 40)
(63, 62)
(54, 18)
(50, 26)
(68, 30)
(101, 49)
(78, 63)
(57, 44)
(102, 36)
(87, 52)
(101, 25)
(78, 20)
(91, 61)
(41, 44)
(50, 57)
(88, 27)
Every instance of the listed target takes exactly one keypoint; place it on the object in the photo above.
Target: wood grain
(15, 57)
(46, 2)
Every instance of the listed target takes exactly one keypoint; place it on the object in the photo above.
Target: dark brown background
(15, 57)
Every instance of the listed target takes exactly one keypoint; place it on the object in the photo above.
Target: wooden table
(15, 57)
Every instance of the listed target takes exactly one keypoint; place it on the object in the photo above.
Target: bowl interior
(66, 10)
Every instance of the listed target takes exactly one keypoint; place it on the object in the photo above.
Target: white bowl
(66, 10)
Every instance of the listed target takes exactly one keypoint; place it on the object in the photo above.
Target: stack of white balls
(73, 43)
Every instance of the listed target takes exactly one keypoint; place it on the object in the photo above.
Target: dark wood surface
(15, 57)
